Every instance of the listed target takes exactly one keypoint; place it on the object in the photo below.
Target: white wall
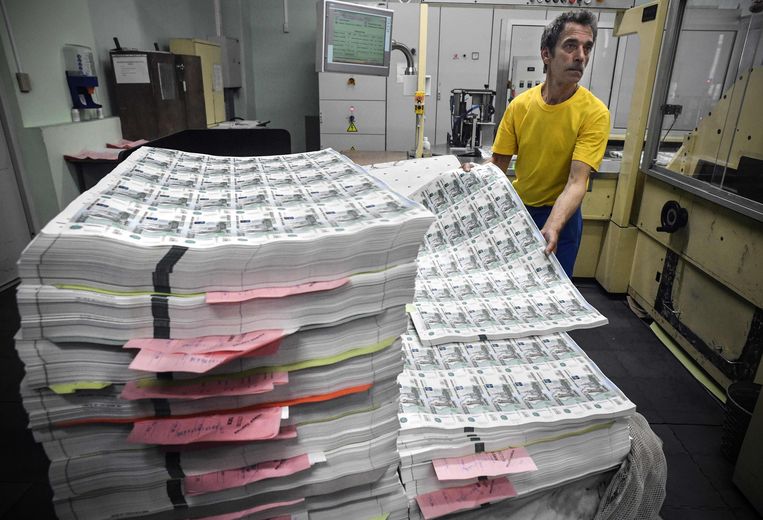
(285, 81)
(71, 138)
(41, 28)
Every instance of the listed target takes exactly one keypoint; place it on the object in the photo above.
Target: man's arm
(500, 160)
(568, 202)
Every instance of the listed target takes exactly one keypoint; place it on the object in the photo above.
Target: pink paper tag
(251, 511)
(108, 155)
(219, 480)
(286, 432)
(150, 361)
(513, 460)
(247, 342)
(273, 292)
(180, 389)
(250, 426)
(125, 144)
(446, 501)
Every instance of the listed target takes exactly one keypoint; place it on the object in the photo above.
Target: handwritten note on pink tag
(252, 510)
(213, 387)
(151, 361)
(248, 342)
(286, 432)
(505, 462)
(273, 292)
(446, 501)
(219, 480)
(249, 426)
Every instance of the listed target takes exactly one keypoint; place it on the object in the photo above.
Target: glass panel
(627, 61)
(167, 81)
(711, 117)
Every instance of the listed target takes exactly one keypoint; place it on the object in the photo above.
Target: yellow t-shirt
(547, 138)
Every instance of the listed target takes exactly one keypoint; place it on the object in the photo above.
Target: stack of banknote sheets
(219, 337)
(498, 405)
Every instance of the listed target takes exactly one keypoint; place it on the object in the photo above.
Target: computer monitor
(353, 38)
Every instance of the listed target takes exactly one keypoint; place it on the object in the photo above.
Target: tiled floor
(680, 410)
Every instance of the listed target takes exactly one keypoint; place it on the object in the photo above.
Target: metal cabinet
(212, 74)
(157, 93)
(352, 111)
(464, 61)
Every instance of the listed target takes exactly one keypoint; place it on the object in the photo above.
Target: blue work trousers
(569, 239)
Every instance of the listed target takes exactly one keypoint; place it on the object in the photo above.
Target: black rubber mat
(686, 416)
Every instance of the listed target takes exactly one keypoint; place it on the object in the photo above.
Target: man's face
(570, 55)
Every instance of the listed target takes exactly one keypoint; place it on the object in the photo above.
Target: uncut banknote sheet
(483, 272)
(206, 223)
(503, 384)
(167, 196)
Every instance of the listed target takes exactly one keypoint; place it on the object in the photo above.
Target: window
(705, 131)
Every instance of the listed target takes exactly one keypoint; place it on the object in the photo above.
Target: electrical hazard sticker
(352, 127)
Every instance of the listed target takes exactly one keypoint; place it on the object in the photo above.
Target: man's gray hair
(554, 30)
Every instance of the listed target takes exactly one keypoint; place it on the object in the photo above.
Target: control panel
(526, 73)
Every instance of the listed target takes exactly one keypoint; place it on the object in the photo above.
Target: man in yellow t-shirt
(558, 130)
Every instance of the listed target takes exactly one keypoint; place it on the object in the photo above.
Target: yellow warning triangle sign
(352, 127)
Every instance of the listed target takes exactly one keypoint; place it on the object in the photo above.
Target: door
(191, 89)
(14, 233)
(167, 94)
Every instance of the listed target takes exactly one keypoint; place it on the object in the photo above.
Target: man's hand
(502, 161)
(552, 238)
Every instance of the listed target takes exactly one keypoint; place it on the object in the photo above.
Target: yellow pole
(650, 38)
(421, 87)
(613, 270)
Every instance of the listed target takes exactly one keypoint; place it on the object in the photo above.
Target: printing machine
(471, 114)
(702, 282)
(697, 264)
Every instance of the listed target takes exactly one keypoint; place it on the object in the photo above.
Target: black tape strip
(175, 494)
(479, 447)
(160, 310)
(746, 364)
(481, 479)
(164, 376)
(161, 407)
(482, 337)
(172, 463)
(468, 429)
(161, 275)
